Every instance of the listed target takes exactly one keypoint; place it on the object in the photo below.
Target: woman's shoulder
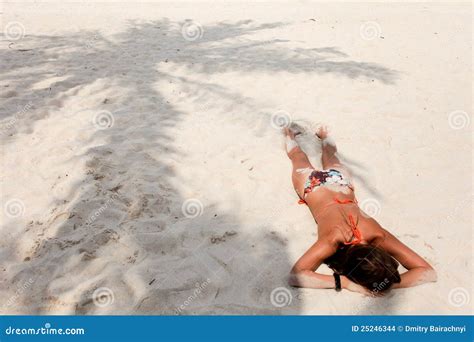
(330, 234)
(376, 233)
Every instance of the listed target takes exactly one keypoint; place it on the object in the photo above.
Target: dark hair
(366, 265)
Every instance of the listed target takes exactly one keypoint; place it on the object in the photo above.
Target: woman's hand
(418, 270)
(351, 286)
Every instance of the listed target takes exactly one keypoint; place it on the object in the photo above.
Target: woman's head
(366, 265)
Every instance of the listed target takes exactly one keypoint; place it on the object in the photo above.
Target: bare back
(332, 217)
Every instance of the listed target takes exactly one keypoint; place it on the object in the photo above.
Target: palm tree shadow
(356, 169)
(142, 253)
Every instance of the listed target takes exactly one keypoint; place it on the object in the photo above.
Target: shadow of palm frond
(70, 258)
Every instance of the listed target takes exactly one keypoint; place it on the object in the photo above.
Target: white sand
(100, 227)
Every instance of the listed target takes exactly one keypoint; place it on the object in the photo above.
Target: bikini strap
(344, 201)
(336, 200)
(355, 231)
(352, 223)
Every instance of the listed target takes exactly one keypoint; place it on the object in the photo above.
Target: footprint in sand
(222, 238)
(9, 94)
(138, 207)
(92, 245)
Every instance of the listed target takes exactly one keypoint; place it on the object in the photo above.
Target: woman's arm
(303, 272)
(419, 271)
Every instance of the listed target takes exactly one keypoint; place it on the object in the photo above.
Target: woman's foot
(290, 142)
(322, 132)
(293, 131)
(288, 132)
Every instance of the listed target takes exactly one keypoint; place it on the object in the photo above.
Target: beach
(144, 169)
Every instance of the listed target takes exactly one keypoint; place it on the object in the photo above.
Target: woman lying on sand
(363, 255)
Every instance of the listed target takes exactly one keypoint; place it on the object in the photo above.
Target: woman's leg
(329, 149)
(301, 164)
(329, 158)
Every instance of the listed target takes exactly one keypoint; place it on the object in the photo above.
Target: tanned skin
(333, 229)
